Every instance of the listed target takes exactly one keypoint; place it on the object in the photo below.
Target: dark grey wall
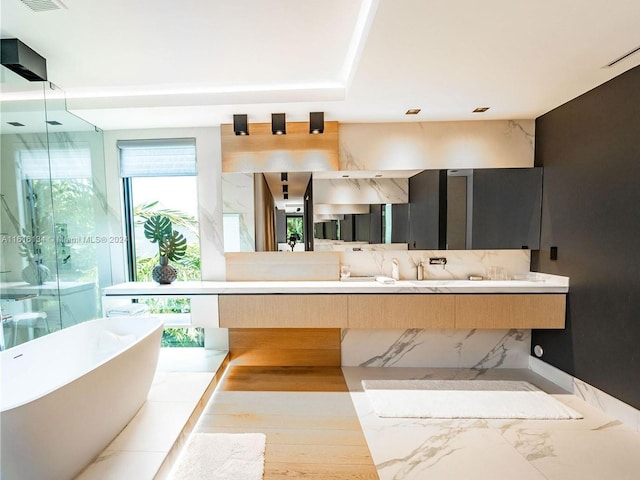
(590, 151)
(400, 223)
(506, 208)
(363, 227)
(346, 228)
(375, 224)
(424, 191)
(456, 213)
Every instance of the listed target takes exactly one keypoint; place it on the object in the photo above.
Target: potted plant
(172, 245)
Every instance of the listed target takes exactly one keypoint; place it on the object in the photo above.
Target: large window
(159, 178)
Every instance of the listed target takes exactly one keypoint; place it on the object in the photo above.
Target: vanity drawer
(401, 311)
(283, 311)
(510, 311)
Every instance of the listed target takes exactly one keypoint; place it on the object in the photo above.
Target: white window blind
(170, 157)
(67, 161)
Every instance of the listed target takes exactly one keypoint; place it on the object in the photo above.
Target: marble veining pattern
(210, 205)
(460, 449)
(622, 412)
(478, 350)
(361, 191)
(460, 263)
(437, 145)
(238, 197)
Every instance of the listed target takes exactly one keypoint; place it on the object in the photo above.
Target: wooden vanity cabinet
(393, 311)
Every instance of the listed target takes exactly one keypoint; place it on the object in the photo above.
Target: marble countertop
(535, 283)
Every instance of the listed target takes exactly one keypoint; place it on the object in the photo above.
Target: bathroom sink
(358, 279)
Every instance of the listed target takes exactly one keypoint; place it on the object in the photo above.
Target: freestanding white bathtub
(67, 395)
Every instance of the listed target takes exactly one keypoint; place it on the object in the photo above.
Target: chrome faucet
(438, 261)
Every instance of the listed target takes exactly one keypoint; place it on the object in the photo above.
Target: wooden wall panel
(297, 151)
(510, 311)
(281, 311)
(401, 311)
(285, 346)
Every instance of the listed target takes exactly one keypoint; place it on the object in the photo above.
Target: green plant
(182, 337)
(171, 243)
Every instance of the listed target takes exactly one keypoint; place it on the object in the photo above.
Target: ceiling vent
(44, 5)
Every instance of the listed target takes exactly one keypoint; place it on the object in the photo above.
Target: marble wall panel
(460, 263)
(238, 197)
(437, 145)
(361, 190)
(477, 349)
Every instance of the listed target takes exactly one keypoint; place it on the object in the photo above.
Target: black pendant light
(278, 124)
(316, 122)
(240, 125)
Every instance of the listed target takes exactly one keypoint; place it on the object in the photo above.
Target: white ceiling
(162, 63)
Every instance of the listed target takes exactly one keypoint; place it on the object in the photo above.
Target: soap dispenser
(420, 268)
(395, 273)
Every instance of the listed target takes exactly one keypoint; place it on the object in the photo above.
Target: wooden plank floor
(306, 413)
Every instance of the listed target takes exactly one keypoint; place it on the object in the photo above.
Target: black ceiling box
(21, 59)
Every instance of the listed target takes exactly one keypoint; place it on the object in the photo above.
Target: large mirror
(418, 210)
(444, 209)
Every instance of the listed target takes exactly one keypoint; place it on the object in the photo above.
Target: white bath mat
(463, 399)
(221, 456)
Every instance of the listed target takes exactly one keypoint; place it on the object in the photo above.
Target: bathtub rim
(156, 323)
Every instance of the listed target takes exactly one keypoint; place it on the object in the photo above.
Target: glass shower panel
(78, 189)
(55, 242)
(29, 297)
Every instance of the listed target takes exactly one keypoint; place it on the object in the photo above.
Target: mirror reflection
(418, 210)
(267, 211)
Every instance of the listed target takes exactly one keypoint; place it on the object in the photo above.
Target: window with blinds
(170, 157)
(159, 178)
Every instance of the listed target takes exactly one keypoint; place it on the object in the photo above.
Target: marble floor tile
(179, 387)
(584, 455)
(190, 360)
(447, 453)
(596, 447)
(182, 376)
(155, 427)
(117, 465)
(594, 419)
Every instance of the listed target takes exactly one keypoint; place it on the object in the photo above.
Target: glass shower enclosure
(54, 239)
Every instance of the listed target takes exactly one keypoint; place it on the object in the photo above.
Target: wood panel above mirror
(296, 151)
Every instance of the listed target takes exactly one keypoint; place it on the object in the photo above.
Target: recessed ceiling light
(481, 109)
(53, 122)
(412, 111)
(16, 124)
